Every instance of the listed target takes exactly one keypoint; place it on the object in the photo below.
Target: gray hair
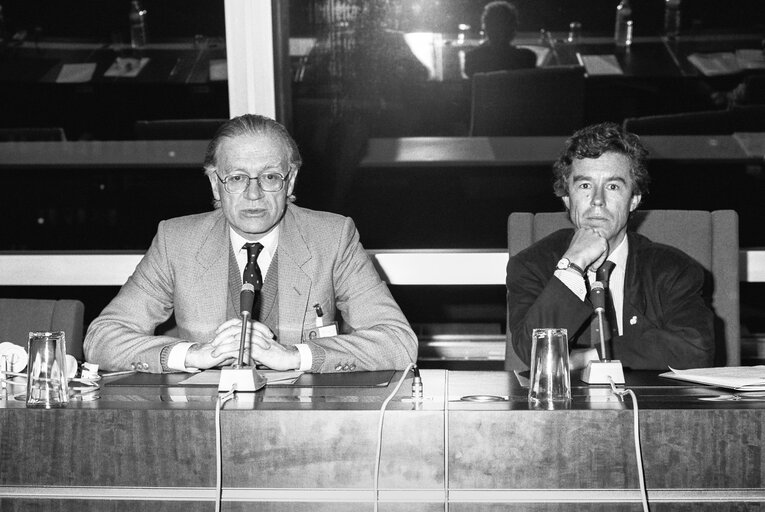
(255, 125)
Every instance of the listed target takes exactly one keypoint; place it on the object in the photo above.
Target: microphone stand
(240, 377)
(604, 371)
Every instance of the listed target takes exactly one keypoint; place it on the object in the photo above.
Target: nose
(253, 190)
(598, 196)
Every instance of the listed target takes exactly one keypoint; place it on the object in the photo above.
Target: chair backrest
(528, 102)
(712, 122)
(46, 134)
(20, 316)
(177, 129)
(711, 238)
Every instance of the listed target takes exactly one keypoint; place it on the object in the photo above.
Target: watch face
(563, 264)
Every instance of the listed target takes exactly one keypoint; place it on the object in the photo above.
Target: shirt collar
(270, 241)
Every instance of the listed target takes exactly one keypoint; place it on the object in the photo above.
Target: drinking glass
(46, 370)
(549, 380)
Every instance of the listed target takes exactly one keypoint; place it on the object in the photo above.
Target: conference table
(473, 442)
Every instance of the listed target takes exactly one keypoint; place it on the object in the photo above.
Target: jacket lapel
(212, 265)
(294, 283)
(634, 298)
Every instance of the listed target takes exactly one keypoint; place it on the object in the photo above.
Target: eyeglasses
(238, 183)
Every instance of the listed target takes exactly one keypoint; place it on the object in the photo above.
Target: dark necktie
(251, 273)
(609, 319)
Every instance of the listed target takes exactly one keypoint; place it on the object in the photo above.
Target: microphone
(598, 300)
(247, 300)
(604, 371)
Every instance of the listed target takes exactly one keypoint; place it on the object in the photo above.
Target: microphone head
(598, 297)
(247, 298)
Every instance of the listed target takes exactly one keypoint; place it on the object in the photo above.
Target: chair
(528, 102)
(20, 316)
(49, 134)
(711, 238)
(712, 122)
(177, 129)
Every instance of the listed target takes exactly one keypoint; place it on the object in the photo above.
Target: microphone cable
(380, 430)
(638, 450)
(222, 399)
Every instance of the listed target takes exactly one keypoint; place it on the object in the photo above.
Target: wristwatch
(566, 264)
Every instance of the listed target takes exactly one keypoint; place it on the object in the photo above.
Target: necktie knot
(604, 272)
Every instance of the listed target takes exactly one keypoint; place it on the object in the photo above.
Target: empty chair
(528, 102)
(712, 122)
(20, 316)
(711, 238)
(177, 129)
(52, 133)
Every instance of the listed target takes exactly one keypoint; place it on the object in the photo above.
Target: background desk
(313, 449)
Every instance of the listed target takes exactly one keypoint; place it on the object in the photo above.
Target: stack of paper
(727, 63)
(740, 378)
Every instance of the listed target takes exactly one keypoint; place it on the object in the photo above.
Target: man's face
(253, 212)
(600, 195)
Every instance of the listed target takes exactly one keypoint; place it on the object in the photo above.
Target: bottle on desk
(137, 16)
(623, 28)
(672, 18)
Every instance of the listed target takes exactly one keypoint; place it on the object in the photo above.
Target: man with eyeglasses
(313, 266)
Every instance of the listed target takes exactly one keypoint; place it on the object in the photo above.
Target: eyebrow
(581, 177)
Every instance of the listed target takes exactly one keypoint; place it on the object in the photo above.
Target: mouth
(253, 212)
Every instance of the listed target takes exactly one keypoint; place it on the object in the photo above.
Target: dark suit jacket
(666, 319)
(487, 58)
(186, 272)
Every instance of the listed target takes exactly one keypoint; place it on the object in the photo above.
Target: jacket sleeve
(122, 337)
(536, 299)
(376, 336)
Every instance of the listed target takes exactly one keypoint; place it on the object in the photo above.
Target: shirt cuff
(573, 281)
(306, 358)
(176, 360)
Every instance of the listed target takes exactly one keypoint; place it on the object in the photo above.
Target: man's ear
(635, 202)
(566, 202)
(291, 179)
(214, 185)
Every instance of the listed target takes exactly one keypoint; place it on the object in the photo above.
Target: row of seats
(709, 237)
(550, 101)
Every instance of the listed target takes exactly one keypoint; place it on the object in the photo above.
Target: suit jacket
(666, 319)
(186, 272)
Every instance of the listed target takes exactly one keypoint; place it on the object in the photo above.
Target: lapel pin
(633, 320)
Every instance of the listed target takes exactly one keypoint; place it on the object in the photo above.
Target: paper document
(601, 64)
(740, 378)
(126, 67)
(76, 73)
(212, 377)
(728, 63)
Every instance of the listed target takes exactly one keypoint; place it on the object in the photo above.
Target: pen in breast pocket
(319, 315)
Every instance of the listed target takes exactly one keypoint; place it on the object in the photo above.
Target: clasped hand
(260, 348)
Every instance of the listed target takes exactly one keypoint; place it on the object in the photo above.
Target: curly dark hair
(592, 142)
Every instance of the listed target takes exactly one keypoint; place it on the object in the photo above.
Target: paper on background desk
(212, 377)
(126, 67)
(600, 64)
(76, 73)
(739, 378)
